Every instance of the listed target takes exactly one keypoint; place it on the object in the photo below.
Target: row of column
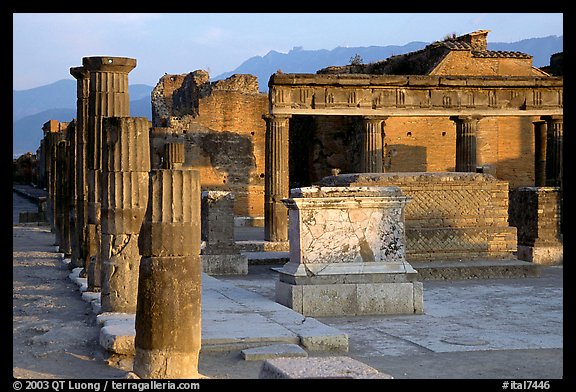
(135, 229)
(548, 151)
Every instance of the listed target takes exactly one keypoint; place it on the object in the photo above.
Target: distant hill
(299, 60)
(57, 101)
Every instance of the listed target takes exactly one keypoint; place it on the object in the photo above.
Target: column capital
(109, 64)
(556, 118)
(374, 118)
(79, 73)
(466, 119)
(277, 117)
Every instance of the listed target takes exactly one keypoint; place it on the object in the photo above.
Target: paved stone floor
(505, 329)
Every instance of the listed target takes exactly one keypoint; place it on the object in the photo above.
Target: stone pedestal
(347, 253)
(125, 167)
(220, 255)
(168, 315)
(535, 211)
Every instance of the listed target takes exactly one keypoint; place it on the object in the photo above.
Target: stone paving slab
(318, 367)
(273, 351)
(232, 318)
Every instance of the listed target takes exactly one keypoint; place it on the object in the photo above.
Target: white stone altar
(347, 247)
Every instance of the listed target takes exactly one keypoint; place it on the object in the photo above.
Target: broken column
(125, 167)
(535, 211)
(168, 314)
(108, 97)
(220, 255)
(347, 248)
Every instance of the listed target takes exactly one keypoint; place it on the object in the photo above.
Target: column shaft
(82, 77)
(372, 145)
(276, 184)
(108, 97)
(466, 129)
(554, 157)
(539, 153)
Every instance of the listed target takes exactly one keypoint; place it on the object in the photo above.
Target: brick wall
(462, 63)
(451, 215)
(223, 134)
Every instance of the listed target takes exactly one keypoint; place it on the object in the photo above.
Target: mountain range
(57, 101)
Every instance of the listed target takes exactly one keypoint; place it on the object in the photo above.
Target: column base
(545, 255)
(161, 364)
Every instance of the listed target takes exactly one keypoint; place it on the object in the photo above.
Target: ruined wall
(222, 129)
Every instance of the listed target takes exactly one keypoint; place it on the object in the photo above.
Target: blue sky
(46, 45)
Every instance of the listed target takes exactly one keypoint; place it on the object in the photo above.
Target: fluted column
(62, 198)
(466, 129)
(276, 182)
(125, 167)
(372, 145)
(554, 136)
(539, 153)
(108, 97)
(168, 315)
(82, 77)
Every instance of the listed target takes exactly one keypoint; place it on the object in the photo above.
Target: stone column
(372, 145)
(466, 129)
(108, 97)
(539, 153)
(220, 255)
(554, 136)
(71, 191)
(62, 199)
(125, 167)
(168, 315)
(276, 184)
(82, 77)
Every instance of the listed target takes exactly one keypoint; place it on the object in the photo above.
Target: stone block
(318, 367)
(320, 300)
(545, 255)
(273, 351)
(224, 264)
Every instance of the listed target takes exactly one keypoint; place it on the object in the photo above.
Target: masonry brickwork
(222, 129)
(450, 216)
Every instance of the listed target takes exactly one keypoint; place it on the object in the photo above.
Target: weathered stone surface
(125, 144)
(347, 253)
(536, 212)
(168, 314)
(273, 351)
(318, 367)
(171, 217)
(120, 265)
(450, 216)
(168, 317)
(224, 264)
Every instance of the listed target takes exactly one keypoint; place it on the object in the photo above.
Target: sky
(47, 45)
